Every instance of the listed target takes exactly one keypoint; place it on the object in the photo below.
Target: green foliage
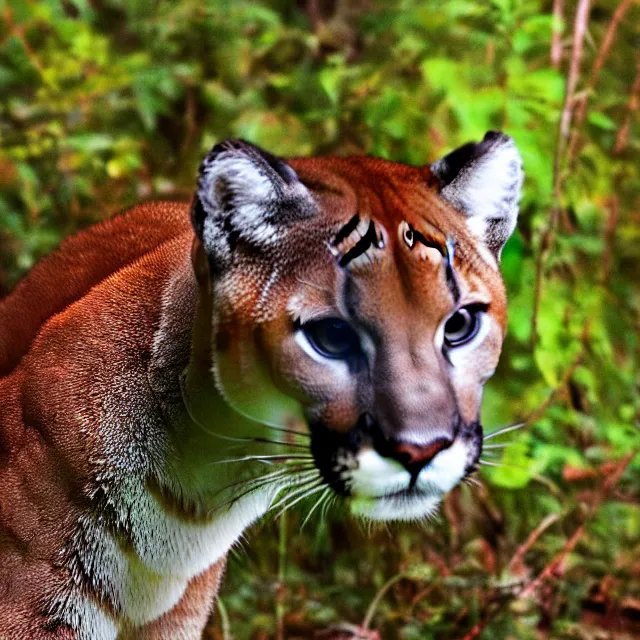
(105, 103)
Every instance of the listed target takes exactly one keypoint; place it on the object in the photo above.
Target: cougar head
(363, 296)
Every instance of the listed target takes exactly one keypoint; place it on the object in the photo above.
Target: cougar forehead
(389, 223)
(378, 223)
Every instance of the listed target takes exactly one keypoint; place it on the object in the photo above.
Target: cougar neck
(206, 435)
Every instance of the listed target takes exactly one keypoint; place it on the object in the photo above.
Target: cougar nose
(416, 456)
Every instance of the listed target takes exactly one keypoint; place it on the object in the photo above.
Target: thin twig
(315, 15)
(598, 64)
(613, 218)
(550, 570)
(556, 38)
(568, 374)
(224, 620)
(559, 390)
(477, 629)
(280, 587)
(18, 32)
(622, 139)
(190, 120)
(553, 566)
(579, 31)
(547, 238)
(518, 556)
(378, 597)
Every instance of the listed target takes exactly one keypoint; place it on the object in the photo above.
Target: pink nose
(416, 456)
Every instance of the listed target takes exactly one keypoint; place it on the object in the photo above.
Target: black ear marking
(447, 168)
(288, 175)
(246, 194)
(198, 215)
(483, 181)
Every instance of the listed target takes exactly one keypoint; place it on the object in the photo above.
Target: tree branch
(598, 64)
(518, 556)
(556, 38)
(550, 570)
(579, 31)
(622, 139)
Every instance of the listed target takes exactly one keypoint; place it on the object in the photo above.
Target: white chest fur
(146, 581)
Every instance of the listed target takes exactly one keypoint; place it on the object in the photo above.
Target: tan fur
(109, 502)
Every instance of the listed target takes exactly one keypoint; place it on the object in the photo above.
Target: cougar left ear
(484, 180)
(245, 194)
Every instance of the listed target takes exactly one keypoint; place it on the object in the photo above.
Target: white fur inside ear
(244, 193)
(233, 179)
(487, 190)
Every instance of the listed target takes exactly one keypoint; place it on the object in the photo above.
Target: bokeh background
(104, 103)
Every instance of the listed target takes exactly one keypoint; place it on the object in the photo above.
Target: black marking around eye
(447, 250)
(412, 236)
(347, 230)
(370, 239)
(452, 282)
(428, 243)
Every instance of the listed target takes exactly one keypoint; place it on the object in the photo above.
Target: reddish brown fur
(63, 308)
(81, 262)
(93, 307)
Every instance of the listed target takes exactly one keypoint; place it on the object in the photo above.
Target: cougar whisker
(312, 490)
(300, 488)
(295, 473)
(502, 464)
(488, 463)
(286, 444)
(196, 421)
(272, 476)
(314, 286)
(283, 456)
(261, 485)
(295, 432)
(323, 497)
(499, 432)
(331, 500)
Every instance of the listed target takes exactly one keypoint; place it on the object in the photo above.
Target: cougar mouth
(382, 488)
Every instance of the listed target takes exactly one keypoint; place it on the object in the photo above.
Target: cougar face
(364, 298)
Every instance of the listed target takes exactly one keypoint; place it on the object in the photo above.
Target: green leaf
(602, 121)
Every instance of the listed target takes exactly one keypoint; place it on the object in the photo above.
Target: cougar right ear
(246, 195)
(483, 181)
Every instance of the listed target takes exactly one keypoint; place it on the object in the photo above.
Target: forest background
(104, 103)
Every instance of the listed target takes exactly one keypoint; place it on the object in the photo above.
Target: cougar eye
(332, 338)
(462, 326)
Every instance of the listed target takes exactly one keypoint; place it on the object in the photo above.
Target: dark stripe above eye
(347, 230)
(452, 282)
(370, 239)
(429, 243)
